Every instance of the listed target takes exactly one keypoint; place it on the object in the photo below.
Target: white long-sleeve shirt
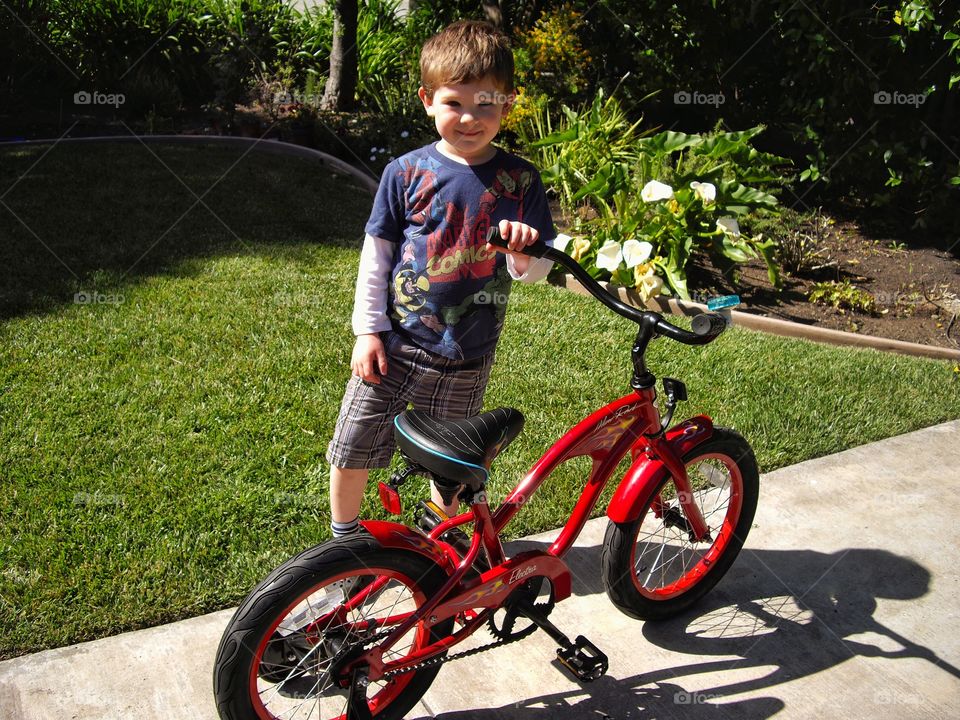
(373, 279)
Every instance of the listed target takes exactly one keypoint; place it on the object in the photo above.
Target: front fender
(395, 535)
(647, 472)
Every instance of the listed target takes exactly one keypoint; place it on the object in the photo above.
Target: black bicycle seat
(457, 450)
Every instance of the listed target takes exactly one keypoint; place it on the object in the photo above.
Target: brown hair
(463, 52)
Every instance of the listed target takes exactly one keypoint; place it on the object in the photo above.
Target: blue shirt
(447, 293)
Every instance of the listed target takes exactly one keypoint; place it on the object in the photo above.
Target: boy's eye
(452, 103)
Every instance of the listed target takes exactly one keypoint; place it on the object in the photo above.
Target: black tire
(651, 568)
(271, 660)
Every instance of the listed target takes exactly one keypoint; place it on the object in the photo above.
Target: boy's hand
(517, 236)
(369, 360)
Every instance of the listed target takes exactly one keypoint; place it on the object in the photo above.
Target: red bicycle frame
(629, 424)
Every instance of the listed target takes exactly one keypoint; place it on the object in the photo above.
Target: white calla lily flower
(729, 226)
(707, 192)
(561, 241)
(655, 190)
(636, 252)
(609, 256)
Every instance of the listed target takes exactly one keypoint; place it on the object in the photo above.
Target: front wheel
(279, 654)
(652, 567)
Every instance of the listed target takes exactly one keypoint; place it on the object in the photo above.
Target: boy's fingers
(382, 362)
(370, 376)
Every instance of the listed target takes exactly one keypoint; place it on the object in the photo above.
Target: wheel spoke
(665, 559)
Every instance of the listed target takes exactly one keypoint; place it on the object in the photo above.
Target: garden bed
(913, 289)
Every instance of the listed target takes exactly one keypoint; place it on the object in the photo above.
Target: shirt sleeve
(537, 269)
(388, 214)
(370, 299)
(536, 214)
(536, 209)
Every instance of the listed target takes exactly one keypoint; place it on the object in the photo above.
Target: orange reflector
(390, 499)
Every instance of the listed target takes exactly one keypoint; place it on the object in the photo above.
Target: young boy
(431, 293)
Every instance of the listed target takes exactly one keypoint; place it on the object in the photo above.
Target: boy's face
(467, 116)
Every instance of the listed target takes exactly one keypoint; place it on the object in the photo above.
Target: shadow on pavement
(786, 614)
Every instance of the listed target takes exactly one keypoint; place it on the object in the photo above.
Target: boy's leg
(450, 509)
(363, 436)
(346, 496)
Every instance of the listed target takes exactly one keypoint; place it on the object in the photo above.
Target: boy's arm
(369, 360)
(529, 269)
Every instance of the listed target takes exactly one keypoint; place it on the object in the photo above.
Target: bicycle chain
(442, 659)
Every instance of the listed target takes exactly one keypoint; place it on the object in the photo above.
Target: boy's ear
(427, 100)
(508, 103)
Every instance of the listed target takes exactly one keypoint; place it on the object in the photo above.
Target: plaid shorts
(449, 389)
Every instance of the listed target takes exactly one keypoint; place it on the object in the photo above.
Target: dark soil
(914, 289)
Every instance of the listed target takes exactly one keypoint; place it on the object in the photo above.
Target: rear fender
(647, 472)
(395, 535)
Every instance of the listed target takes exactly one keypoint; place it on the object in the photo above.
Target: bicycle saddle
(457, 450)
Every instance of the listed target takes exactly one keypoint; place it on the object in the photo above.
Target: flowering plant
(684, 193)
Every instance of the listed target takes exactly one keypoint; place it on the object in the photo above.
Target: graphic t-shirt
(447, 293)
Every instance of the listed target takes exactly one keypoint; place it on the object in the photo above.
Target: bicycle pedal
(583, 659)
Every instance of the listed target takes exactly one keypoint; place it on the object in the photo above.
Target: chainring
(525, 594)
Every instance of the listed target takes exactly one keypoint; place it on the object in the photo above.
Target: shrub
(655, 200)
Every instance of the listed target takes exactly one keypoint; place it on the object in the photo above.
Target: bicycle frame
(629, 424)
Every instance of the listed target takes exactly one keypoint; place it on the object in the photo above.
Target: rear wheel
(652, 568)
(279, 655)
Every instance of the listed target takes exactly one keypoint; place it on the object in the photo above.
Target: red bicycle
(358, 627)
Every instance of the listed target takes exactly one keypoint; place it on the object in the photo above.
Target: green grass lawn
(161, 450)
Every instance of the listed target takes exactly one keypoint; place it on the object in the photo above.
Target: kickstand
(357, 708)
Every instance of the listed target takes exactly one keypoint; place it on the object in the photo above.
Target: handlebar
(706, 326)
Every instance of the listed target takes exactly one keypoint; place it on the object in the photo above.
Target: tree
(341, 88)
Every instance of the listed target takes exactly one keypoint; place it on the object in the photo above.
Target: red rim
(722, 538)
(389, 692)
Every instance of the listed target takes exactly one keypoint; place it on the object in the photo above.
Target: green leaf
(668, 141)
(557, 138)
(751, 197)
(768, 250)
(736, 250)
(677, 280)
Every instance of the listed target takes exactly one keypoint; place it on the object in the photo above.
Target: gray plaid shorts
(449, 389)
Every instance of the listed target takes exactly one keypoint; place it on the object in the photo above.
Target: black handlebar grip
(708, 324)
(536, 250)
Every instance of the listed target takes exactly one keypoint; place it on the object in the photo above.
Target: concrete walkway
(843, 604)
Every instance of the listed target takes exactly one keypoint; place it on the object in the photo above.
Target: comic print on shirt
(448, 293)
